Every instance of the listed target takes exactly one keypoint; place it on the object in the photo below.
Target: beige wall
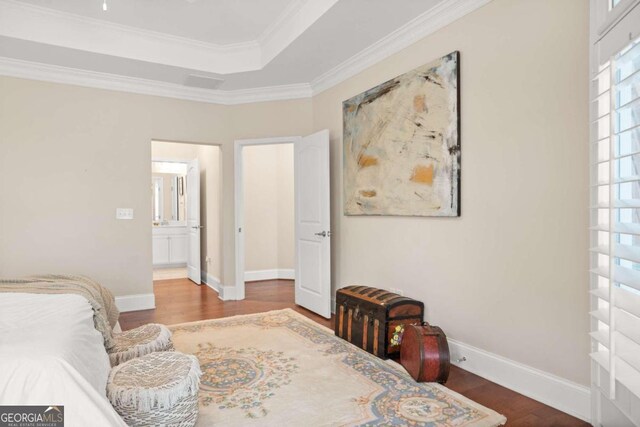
(510, 275)
(268, 207)
(286, 208)
(72, 155)
(210, 196)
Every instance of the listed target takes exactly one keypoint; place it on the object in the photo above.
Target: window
(613, 3)
(615, 219)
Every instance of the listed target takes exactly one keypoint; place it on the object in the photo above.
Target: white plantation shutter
(615, 217)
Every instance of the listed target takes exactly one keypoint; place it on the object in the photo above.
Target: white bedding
(51, 354)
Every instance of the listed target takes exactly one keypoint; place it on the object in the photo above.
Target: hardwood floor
(180, 300)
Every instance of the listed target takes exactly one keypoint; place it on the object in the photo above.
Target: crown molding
(429, 22)
(295, 20)
(72, 76)
(292, 8)
(269, 93)
(439, 16)
(43, 25)
(32, 11)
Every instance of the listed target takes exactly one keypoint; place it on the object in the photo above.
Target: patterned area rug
(282, 369)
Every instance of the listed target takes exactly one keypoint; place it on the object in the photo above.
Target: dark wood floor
(180, 300)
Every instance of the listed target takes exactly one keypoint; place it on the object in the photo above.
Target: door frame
(194, 264)
(239, 144)
(222, 225)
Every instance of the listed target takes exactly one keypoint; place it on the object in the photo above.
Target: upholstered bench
(159, 389)
(140, 341)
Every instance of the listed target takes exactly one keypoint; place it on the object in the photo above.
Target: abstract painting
(402, 144)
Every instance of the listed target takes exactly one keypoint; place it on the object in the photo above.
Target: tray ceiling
(225, 51)
(217, 22)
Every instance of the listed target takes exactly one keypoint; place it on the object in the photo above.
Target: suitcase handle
(431, 333)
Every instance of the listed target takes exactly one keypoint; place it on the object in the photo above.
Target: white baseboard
(136, 302)
(178, 265)
(229, 293)
(282, 273)
(562, 394)
(225, 293)
(211, 281)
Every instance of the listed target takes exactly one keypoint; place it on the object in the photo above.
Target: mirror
(168, 194)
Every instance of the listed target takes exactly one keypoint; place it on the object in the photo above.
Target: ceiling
(227, 51)
(218, 22)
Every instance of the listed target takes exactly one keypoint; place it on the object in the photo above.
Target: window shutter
(615, 217)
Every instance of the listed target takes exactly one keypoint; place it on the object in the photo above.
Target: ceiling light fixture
(104, 5)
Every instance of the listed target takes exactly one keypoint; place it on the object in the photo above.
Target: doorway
(268, 215)
(186, 219)
(311, 218)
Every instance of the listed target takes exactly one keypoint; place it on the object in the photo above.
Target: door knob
(196, 227)
(323, 234)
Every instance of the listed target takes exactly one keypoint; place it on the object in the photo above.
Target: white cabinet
(160, 250)
(170, 246)
(179, 249)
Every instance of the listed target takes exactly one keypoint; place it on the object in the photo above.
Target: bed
(51, 354)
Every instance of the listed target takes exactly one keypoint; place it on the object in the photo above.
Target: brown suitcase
(371, 318)
(424, 353)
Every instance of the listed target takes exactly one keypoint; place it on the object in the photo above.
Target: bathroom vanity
(170, 237)
(170, 246)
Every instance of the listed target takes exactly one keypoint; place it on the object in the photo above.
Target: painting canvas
(402, 144)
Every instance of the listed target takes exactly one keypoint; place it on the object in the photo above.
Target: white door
(312, 216)
(193, 221)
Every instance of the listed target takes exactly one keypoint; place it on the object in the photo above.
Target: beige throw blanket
(105, 312)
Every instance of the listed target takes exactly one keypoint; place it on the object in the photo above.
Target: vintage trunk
(425, 353)
(373, 319)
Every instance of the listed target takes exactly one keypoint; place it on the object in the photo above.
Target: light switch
(124, 213)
